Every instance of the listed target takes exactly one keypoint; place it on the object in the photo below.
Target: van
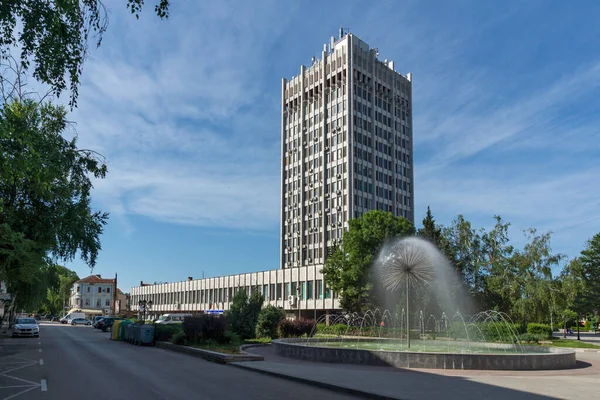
(67, 318)
(171, 318)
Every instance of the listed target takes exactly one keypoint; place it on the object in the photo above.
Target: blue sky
(506, 121)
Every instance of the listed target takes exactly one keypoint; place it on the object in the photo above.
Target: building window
(107, 303)
(88, 289)
(319, 289)
(98, 303)
(77, 289)
(303, 290)
(99, 289)
(107, 290)
(279, 290)
(87, 302)
(309, 293)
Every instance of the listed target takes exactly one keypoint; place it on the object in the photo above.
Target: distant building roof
(95, 279)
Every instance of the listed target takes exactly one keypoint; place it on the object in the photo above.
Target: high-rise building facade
(346, 137)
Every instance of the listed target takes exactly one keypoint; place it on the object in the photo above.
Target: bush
(540, 329)
(178, 338)
(268, 321)
(295, 328)
(484, 331)
(164, 333)
(243, 313)
(205, 327)
(532, 337)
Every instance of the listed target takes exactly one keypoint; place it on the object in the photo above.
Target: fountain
(485, 340)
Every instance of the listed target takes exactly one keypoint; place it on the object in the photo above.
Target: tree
(590, 269)
(243, 313)
(268, 321)
(348, 270)
(45, 196)
(54, 36)
(430, 230)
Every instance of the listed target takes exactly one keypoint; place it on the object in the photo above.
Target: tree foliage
(243, 313)
(53, 35)
(45, 200)
(268, 321)
(348, 270)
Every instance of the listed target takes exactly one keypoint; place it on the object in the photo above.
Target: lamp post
(145, 306)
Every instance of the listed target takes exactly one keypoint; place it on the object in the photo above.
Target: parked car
(96, 320)
(26, 327)
(107, 323)
(80, 321)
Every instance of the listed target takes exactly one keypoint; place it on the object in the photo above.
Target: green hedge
(532, 337)
(539, 329)
(164, 332)
(485, 331)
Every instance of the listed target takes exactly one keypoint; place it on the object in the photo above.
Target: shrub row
(532, 337)
(295, 328)
(164, 333)
(205, 327)
(540, 329)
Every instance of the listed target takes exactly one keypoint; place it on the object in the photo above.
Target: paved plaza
(448, 384)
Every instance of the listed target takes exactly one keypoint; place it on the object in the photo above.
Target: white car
(26, 327)
(80, 321)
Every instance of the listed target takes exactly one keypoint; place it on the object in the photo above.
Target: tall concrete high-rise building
(346, 147)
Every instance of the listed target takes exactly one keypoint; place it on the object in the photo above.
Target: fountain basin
(532, 357)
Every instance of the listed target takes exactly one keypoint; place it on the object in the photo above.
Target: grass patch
(572, 343)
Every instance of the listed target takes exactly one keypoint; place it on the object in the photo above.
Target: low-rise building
(300, 291)
(93, 296)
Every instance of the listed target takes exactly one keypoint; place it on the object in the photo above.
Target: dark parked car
(96, 320)
(106, 324)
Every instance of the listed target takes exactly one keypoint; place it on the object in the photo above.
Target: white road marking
(39, 343)
(40, 350)
(41, 361)
(22, 392)
(44, 386)
(12, 387)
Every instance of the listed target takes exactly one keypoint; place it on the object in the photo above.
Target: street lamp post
(145, 306)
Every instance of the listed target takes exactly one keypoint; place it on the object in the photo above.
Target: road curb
(209, 355)
(312, 382)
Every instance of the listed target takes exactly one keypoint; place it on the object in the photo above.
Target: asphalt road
(70, 362)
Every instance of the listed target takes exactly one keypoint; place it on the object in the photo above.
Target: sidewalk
(390, 383)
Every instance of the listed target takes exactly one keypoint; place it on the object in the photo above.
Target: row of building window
(100, 289)
(98, 302)
(309, 290)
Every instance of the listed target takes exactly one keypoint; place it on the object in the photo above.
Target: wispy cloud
(183, 127)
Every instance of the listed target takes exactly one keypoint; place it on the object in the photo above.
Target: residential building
(93, 295)
(346, 148)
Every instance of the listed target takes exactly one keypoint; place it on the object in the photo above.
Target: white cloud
(181, 131)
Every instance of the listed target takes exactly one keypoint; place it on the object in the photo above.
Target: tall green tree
(430, 229)
(45, 195)
(242, 316)
(590, 266)
(53, 36)
(348, 270)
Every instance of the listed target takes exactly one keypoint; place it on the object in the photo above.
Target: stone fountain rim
(528, 349)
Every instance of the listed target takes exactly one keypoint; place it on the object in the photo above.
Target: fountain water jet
(407, 265)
